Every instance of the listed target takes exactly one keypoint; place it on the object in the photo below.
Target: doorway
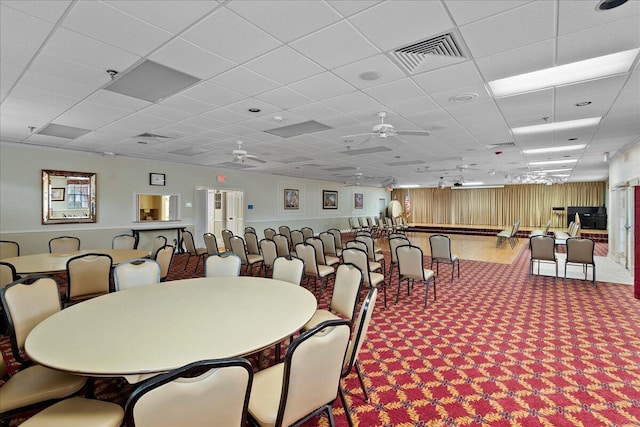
(225, 212)
(620, 234)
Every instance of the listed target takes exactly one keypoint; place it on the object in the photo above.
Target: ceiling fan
(240, 155)
(385, 130)
(360, 176)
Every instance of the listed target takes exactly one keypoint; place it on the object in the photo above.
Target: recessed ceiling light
(552, 162)
(548, 127)
(370, 75)
(601, 66)
(461, 99)
(254, 110)
(583, 103)
(609, 4)
(554, 149)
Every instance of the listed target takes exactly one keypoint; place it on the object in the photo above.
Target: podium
(558, 215)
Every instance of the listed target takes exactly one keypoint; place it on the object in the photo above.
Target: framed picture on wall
(329, 199)
(57, 194)
(291, 198)
(358, 200)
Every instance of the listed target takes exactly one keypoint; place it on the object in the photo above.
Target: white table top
(57, 262)
(156, 328)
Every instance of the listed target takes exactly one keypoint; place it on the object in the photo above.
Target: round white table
(57, 262)
(143, 331)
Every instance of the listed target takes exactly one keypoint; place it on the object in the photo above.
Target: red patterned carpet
(495, 349)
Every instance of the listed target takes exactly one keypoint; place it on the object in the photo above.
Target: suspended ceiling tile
(188, 58)
(187, 104)
(531, 23)
(286, 20)
(116, 100)
(465, 11)
(393, 24)
(399, 90)
(72, 72)
(576, 16)
(411, 106)
(451, 77)
(157, 110)
(526, 106)
(322, 86)
(55, 85)
(225, 115)
(334, 46)
(244, 81)
(284, 65)
(445, 100)
(23, 29)
(380, 63)
(601, 93)
(284, 98)
(536, 56)
(351, 102)
(242, 40)
(213, 94)
(103, 22)
(348, 8)
(90, 115)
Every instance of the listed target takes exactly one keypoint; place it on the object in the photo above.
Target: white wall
(626, 167)
(119, 178)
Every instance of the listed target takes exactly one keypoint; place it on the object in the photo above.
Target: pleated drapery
(530, 203)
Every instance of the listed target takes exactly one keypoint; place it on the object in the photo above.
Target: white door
(235, 212)
(620, 234)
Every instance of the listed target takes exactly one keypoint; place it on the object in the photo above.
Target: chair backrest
(307, 253)
(361, 326)
(9, 249)
(286, 232)
(516, 227)
(319, 247)
(440, 247)
(282, 244)
(238, 247)
(388, 223)
(288, 269)
(189, 244)
(358, 245)
(158, 242)
(164, 256)
(393, 244)
(546, 228)
(337, 237)
(410, 262)
(397, 234)
(251, 240)
(542, 247)
(328, 243)
(134, 273)
(88, 275)
(306, 232)
(211, 243)
(208, 392)
(381, 224)
(296, 237)
(269, 252)
(576, 230)
(7, 274)
(366, 233)
(346, 290)
(226, 235)
(353, 223)
(27, 302)
(370, 222)
(362, 222)
(64, 244)
(360, 259)
(223, 264)
(124, 241)
(269, 233)
(249, 230)
(368, 240)
(312, 370)
(580, 250)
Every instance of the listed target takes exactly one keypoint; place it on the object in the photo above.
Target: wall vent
(429, 54)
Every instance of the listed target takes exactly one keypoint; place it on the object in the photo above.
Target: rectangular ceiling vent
(298, 129)
(62, 131)
(295, 160)
(429, 54)
(502, 144)
(378, 149)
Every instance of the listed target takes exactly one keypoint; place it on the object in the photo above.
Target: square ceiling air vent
(62, 131)
(378, 149)
(151, 82)
(429, 54)
(298, 129)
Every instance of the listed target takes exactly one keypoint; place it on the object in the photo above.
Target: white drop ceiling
(300, 61)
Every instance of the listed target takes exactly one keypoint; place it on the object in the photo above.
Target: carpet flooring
(495, 349)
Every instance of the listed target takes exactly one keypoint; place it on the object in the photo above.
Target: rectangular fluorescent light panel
(409, 186)
(549, 127)
(151, 82)
(298, 129)
(554, 149)
(575, 72)
(553, 162)
(378, 149)
(62, 131)
(553, 170)
(468, 184)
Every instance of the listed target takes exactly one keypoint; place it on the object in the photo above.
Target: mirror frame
(47, 218)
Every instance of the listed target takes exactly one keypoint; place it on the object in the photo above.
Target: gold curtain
(529, 203)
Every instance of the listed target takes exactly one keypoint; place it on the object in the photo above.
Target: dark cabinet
(591, 217)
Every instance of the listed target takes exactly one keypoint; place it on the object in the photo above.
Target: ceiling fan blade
(413, 132)
(255, 158)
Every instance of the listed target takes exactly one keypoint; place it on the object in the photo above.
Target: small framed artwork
(57, 194)
(329, 199)
(156, 178)
(358, 201)
(291, 199)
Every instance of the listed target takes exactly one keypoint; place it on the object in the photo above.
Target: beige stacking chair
(329, 244)
(88, 276)
(223, 264)
(580, 251)
(337, 240)
(249, 230)
(282, 244)
(296, 237)
(192, 250)
(9, 249)
(411, 268)
(78, 412)
(286, 232)
(134, 273)
(360, 259)
(543, 248)
(307, 383)
(508, 236)
(321, 255)
(312, 269)
(441, 253)
(205, 393)
(27, 302)
(64, 244)
(307, 233)
(372, 252)
(394, 242)
(164, 257)
(541, 232)
(354, 225)
(124, 241)
(239, 248)
(269, 254)
(288, 269)
(211, 243)
(269, 233)
(253, 246)
(373, 265)
(158, 242)
(226, 235)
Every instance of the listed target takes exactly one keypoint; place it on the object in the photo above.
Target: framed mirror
(68, 197)
(156, 207)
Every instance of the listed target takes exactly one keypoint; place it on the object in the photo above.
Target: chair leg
(426, 293)
(565, 273)
(398, 293)
(332, 422)
(453, 267)
(361, 380)
(595, 285)
(343, 399)
(187, 263)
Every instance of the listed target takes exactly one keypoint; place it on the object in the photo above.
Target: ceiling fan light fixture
(609, 4)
